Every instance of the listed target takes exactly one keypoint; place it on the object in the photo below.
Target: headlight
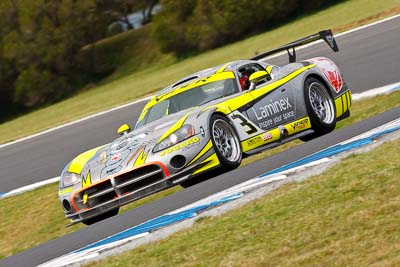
(181, 134)
(69, 178)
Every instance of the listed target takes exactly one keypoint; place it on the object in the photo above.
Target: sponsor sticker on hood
(116, 157)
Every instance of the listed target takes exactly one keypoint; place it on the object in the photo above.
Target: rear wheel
(320, 108)
(226, 142)
(101, 217)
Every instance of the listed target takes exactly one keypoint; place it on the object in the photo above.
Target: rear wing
(325, 35)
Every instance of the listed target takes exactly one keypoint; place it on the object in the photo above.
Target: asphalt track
(369, 58)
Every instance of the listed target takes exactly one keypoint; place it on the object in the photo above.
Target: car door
(269, 108)
(272, 106)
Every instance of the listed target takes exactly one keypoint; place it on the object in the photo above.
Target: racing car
(204, 122)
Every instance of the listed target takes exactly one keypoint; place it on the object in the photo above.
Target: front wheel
(226, 142)
(320, 108)
(101, 217)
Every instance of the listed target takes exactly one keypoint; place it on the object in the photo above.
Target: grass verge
(141, 82)
(348, 216)
(36, 217)
(19, 232)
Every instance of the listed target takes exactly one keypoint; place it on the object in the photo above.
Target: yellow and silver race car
(207, 121)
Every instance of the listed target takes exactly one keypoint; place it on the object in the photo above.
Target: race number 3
(245, 123)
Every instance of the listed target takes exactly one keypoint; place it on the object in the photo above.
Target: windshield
(194, 97)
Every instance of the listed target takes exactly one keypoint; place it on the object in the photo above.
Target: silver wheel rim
(321, 103)
(225, 140)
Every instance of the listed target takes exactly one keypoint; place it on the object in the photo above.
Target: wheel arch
(223, 161)
(319, 126)
(218, 111)
(322, 80)
(229, 120)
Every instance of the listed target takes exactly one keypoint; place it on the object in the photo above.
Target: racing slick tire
(101, 217)
(190, 182)
(320, 108)
(226, 142)
(201, 178)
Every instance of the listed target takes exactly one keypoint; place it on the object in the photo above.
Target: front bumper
(122, 189)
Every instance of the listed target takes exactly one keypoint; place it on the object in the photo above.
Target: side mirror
(258, 77)
(123, 129)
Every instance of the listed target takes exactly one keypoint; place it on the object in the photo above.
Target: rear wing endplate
(325, 35)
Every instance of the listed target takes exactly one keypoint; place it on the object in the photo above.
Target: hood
(129, 150)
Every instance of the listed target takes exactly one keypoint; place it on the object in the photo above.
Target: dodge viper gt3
(207, 122)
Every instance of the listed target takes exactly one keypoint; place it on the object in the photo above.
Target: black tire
(320, 108)
(189, 183)
(201, 178)
(101, 217)
(226, 142)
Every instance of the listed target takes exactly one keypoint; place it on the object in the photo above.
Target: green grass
(348, 216)
(18, 227)
(124, 87)
(36, 217)
(31, 219)
(131, 52)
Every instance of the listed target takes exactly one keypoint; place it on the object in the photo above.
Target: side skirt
(278, 142)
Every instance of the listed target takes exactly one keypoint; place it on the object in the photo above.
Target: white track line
(74, 122)
(146, 98)
(377, 91)
(336, 36)
(29, 187)
(76, 257)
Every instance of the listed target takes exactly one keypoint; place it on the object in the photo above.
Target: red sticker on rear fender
(330, 71)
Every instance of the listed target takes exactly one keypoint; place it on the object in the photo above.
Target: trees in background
(120, 10)
(47, 47)
(198, 25)
(41, 58)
